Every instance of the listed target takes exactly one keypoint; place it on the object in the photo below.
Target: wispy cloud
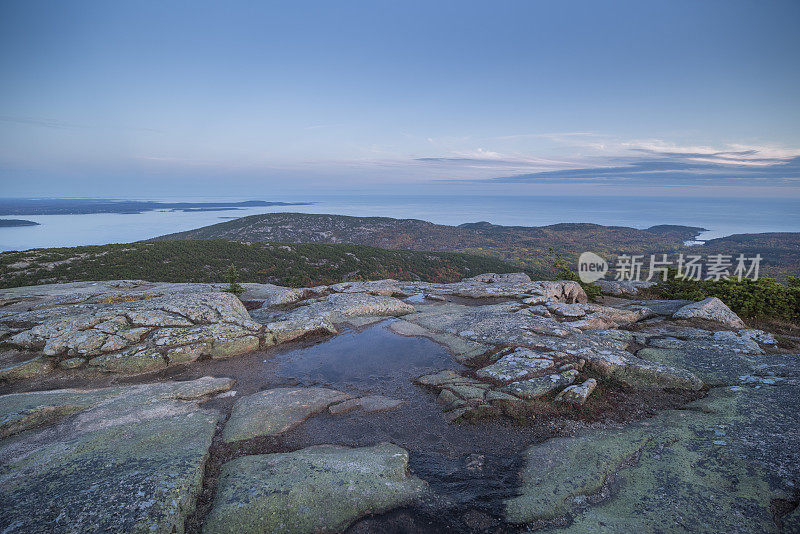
(672, 169)
(608, 160)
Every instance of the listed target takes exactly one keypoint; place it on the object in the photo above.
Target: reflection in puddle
(374, 360)
(468, 466)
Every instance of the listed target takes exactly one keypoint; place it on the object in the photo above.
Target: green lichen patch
(318, 489)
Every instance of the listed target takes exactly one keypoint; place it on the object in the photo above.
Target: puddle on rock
(370, 361)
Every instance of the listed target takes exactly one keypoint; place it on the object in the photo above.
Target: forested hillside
(207, 261)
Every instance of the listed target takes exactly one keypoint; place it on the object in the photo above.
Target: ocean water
(721, 216)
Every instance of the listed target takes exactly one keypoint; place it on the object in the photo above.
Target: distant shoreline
(31, 206)
(13, 223)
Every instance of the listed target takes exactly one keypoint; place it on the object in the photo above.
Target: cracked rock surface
(125, 459)
(299, 440)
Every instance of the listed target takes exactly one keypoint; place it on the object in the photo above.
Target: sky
(259, 99)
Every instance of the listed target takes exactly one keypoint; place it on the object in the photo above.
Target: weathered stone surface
(133, 361)
(361, 322)
(370, 403)
(125, 459)
(566, 310)
(318, 489)
(357, 305)
(517, 364)
(273, 295)
(577, 394)
(489, 325)
(710, 309)
(462, 395)
(134, 333)
(540, 385)
(441, 378)
(275, 411)
(72, 363)
(296, 326)
(623, 287)
(561, 291)
(636, 372)
(714, 466)
(597, 317)
(759, 336)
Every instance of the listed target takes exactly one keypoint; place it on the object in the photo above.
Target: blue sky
(260, 98)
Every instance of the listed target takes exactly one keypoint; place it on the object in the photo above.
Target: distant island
(83, 206)
(9, 223)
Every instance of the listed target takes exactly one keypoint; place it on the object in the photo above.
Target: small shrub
(763, 298)
(563, 272)
(233, 281)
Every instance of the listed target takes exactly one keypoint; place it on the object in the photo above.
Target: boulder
(710, 309)
(577, 394)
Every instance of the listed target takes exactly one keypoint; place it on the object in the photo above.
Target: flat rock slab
(275, 411)
(370, 403)
(318, 489)
(125, 459)
(714, 466)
